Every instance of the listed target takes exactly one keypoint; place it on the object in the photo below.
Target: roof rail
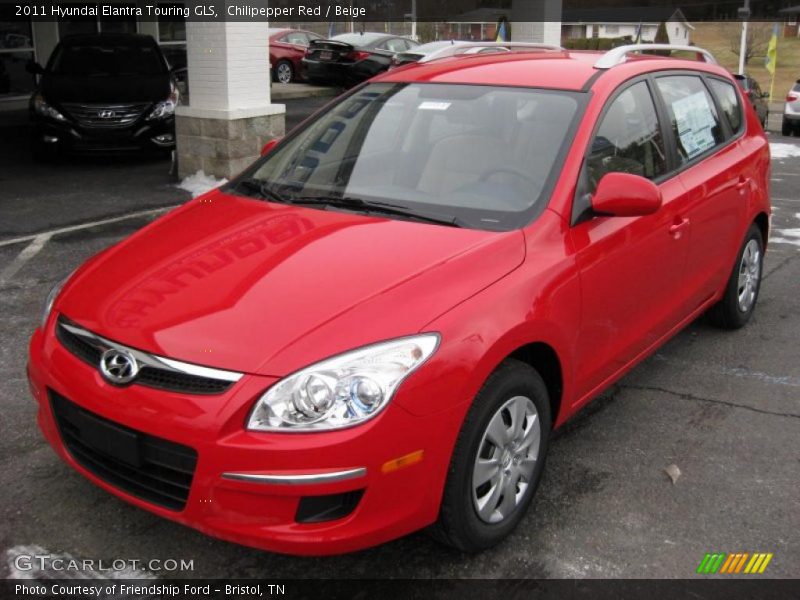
(617, 56)
(475, 47)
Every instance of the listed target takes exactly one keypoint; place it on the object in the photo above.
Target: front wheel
(498, 460)
(741, 293)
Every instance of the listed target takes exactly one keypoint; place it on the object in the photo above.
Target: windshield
(484, 156)
(102, 60)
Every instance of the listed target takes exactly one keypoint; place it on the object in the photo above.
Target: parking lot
(723, 407)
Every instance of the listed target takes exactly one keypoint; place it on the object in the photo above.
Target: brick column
(536, 21)
(230, 116)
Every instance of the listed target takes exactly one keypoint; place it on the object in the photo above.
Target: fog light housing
(318, 509)
(165, 139)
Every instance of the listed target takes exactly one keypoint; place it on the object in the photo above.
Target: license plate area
(106, 438)
(326, 55)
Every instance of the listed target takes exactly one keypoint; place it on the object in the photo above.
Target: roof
(625, 14)
(567, 70)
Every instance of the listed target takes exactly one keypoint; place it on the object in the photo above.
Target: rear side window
(693, 117)
(629, 138)
(729, 102)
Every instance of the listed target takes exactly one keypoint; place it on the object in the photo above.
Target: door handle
(742, 183)
(678, 226)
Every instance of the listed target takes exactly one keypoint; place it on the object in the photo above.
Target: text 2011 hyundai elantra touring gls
(375, 328)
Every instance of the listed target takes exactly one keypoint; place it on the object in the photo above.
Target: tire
(741, 292)
(786, 128)
(462, 523)
(284, 72)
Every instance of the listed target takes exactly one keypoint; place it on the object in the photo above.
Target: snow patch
(778, 150)
(200, 183)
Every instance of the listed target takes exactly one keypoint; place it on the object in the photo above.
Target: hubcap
(749, 275)
(506, 459)
(284, 73)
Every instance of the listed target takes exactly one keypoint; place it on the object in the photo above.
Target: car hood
(104, 90)
(252, 286)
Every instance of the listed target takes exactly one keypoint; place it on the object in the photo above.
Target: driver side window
(629, 139)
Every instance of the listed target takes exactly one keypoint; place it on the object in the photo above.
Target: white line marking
(27, 253)
(133, 215)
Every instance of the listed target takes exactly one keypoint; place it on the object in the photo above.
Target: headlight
(341, 391)
(166, 107)
(51, 298)
(44, 109)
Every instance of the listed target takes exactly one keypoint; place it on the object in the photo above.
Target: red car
(376, 327)
(287, 47)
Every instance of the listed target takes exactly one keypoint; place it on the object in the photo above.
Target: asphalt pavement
(722, 407)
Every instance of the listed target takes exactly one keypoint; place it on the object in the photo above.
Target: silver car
(791, 111)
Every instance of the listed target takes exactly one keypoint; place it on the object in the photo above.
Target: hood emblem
(118, 366)
(106, 114)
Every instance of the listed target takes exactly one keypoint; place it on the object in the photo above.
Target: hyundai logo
(118, 366)
(106, 114)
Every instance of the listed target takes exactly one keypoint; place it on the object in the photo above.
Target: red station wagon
(376, 327)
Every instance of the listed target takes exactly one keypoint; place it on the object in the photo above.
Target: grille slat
(161, 379)
(121, 115)
(163, 474)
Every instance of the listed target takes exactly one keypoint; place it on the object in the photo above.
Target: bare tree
(758, 35)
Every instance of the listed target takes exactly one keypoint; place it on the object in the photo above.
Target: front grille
(90, 351)
(145, 466)
(106, 115)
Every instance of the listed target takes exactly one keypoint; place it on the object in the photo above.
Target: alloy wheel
(284, 73)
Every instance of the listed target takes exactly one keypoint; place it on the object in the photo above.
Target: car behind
(350, 58)
(791, 111)
(104, 92)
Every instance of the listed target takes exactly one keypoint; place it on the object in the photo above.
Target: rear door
(713, 169)
(631, 268)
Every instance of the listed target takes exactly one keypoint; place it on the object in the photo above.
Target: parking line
(27, 253)
(133, 215)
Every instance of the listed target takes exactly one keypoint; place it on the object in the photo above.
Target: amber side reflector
(404, 461)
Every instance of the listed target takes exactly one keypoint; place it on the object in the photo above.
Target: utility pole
(744, 14)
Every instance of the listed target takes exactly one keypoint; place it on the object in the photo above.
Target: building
(621, 22)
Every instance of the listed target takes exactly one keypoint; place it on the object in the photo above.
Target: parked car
(103, 92)
(375, 328)
(791, 111)
(759, 99)
(287, 47)
(350, 58)
(418, 53)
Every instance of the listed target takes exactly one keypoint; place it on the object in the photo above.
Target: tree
(758, 35)
(662, 37)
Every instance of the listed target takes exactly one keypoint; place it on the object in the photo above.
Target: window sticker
(695, 123)
(430, 105)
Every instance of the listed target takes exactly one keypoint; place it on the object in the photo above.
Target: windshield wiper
(253, 185)
(376, 206)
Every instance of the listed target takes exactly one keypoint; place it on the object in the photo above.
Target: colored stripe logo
(736, 563)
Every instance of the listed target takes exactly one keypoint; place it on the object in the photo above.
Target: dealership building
(230, 114)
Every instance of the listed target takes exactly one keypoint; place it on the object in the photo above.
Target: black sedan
(102, 92)
(350, 58)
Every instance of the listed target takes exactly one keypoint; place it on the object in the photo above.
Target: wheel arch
(543, 357)
(762, 222)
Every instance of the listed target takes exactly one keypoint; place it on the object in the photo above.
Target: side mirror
(625, 195)
(34, 68)
(269, 146)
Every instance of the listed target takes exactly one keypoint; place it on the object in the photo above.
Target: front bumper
(247, 486)
(143, 135)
